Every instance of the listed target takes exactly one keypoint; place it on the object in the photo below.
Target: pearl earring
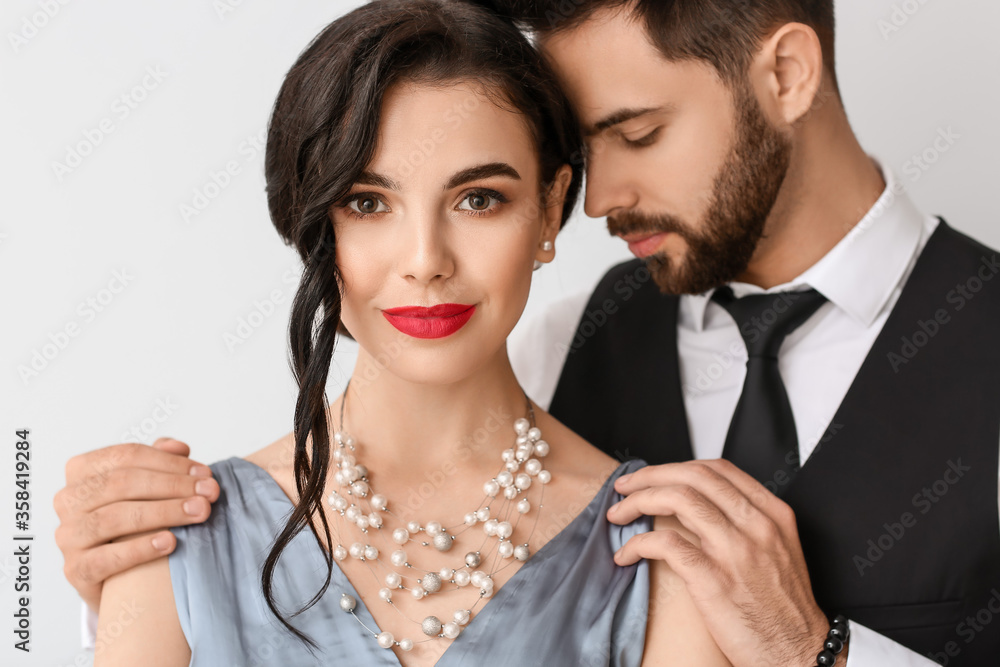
(547, 246)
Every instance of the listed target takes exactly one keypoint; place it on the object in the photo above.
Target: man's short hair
(725, 33)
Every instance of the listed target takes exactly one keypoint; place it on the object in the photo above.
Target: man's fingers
(128, 455)
(93, 566)
(129, 517)
(172, 446)
(668, 545)
(131, 484)
(695, 512)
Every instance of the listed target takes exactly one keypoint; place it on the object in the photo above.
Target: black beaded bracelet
(839, 633)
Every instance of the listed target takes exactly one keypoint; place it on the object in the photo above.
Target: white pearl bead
(357, 550)
(483, 513)
(348, 603)
(349, 441)
(338, 477)
(542, 448)
(418, 592)
(339, 552)
(523, 506)
(379, 501)
(363, 522)
(491, 488)
(521, 553)
(362, 470)
(446, 574)
(352, 513)
(398, 558)
(371, 553)
(486, 592)
(512, 466)
(348, 461)
(386, 640)
(522, 440)
(521, 426)
(400, 536)
(510, 492)
(524, 453)
(413, 527)
(533, 467)
(522, 481)
(338, 455)
(470, 519)
(486, 582)
(504, 529)
(432, 528)
(477, 578)
(534, 434)
(351, 474)
(462, 578)
(341, 504)
(360, 488)
(507, 455)
(375, 519)
(490, 527)
(462, 616)
(505, 479)
(393, 580)
(451, 630)
(505, 549)
(545, 477)
(406, 644)
(385, 594)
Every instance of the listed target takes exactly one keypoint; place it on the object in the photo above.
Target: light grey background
(908, 69)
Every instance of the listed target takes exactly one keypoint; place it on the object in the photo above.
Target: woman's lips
(434, 322)
(644, 245)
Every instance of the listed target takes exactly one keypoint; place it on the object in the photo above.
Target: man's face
(686, 168)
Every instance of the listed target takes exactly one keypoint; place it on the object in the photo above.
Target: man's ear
(553, 203)
(788, 72)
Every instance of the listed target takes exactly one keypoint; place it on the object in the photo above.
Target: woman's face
(437, 240)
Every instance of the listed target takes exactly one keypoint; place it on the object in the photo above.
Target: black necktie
(762, 439)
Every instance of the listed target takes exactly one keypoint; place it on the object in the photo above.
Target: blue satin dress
(568, 605)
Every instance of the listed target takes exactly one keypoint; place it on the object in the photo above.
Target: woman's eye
(479, 202)
(367, 204)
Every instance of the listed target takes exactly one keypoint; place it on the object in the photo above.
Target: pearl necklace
(510, 483)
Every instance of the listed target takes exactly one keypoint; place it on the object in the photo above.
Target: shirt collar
(861, 272)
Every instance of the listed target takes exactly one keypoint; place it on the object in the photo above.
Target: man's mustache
(633, 222)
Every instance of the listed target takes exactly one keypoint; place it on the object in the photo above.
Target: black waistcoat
(897, 506)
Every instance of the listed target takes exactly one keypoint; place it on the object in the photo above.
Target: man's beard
(743, 195)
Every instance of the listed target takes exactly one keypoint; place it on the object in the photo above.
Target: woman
(421, 160)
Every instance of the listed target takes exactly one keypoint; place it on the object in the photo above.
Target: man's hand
(748, 577)
(122, 490)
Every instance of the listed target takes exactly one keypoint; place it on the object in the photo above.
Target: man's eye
(647, 140)
(480, 202)
(367, 204)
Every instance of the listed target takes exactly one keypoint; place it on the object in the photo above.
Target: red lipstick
(434, 322)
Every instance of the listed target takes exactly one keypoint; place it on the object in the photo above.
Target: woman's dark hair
(322, 135)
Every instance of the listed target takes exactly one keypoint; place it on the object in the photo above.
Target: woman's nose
(425, 254)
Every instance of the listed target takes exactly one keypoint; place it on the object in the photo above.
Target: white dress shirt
(861, 277)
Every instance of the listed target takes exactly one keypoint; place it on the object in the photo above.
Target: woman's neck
(406, 430)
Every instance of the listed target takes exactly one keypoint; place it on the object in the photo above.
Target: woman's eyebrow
(482, 171)
(376, 180)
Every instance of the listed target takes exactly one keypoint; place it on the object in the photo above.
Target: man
(831, 340)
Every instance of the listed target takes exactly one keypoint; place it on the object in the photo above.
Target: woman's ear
(789, 71)
(553, 200)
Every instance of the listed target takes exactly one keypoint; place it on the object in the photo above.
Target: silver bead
(431, 582)
(521, 426)
(522, 481)
(545, 477)
(371, 553)
(462, 578)
(504, 529)
(542, 448)
(463, 616)
(406, 644)
(385, 594)
(413, 527)
(442, 542)
(533, 467)
(472, 559)
(339, 552)
(398, 558)
(491, 488)
(451, 630)
(385, 639)
(348, 603)
(521, 552)
(400, 536)
(393, 580)
(379, 501)
(431, 626)
(523, 506)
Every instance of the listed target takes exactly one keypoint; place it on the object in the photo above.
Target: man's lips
(434, 322)
(644, 244)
